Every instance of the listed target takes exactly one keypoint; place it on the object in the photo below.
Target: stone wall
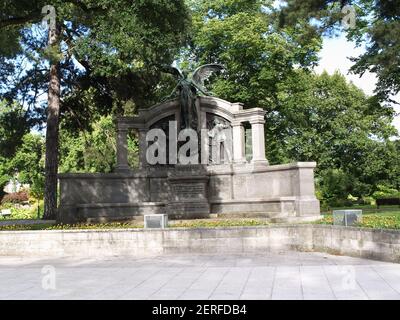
(279, 191)
(367, 243)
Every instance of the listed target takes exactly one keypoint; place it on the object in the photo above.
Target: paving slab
(262, 276)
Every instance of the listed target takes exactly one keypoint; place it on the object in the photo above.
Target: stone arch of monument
(216, 186)
(207, 107)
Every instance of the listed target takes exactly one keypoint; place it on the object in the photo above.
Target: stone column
(258, 139)
(142, 148)
(238, 143)
(122, 150)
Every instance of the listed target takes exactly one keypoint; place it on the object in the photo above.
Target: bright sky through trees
(334, 56)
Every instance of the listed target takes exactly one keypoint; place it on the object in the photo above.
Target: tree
(376, 26)
(100, 48)
(328, 120)
(309, 117)
(52, 123)
(28, 162)
(394, 164)
(243, 36)
(13, 126)
(334, 186)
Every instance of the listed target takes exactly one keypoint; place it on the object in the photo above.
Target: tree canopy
(106, 51)
(310, 117)
(109, 52)
(377, 25)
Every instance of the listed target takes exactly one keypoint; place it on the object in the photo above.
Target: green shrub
(385, 192)
(337, 203)
(23, 214)
(324, 206)
(367, 201)
(334, 186)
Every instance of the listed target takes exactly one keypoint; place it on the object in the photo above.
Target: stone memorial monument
(207, 175)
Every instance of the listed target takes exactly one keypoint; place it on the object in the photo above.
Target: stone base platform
(283, 193)
(107, 212)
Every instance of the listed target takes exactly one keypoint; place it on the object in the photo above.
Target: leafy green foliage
(385, 192)
(322, 118)
(242, 35)
(25, 214)
(4, 175)
(107, 51)
(110, 53)
(376, 26)
(310, 117)
(26, 164)
(94, 150)
(335, 186)
(13, 126)
(28, 160)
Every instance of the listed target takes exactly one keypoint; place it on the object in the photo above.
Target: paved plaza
(280, 275)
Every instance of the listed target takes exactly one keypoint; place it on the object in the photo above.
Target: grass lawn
(49, 226)
(385, 219)
(367, 209)
(198, 223)
(388, 218)
(381, 213)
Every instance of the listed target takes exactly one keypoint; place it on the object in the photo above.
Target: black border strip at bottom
(190, 309)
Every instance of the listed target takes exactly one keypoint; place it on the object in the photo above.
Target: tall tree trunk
(53, 112)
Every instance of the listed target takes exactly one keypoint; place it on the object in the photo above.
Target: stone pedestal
(188, 193)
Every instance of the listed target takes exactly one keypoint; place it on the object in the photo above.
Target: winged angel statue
(188, 88)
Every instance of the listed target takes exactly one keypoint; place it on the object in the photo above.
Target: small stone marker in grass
(347, 217)
(5, 213)
(159, 221)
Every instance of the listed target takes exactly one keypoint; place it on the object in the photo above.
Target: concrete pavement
(279, 275)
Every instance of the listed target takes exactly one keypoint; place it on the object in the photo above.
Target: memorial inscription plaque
(189, 194)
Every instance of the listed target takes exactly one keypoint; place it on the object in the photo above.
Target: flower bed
(375, 221)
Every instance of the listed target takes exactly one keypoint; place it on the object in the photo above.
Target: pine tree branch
(19, 20)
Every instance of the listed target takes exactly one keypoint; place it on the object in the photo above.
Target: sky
(335, 55)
